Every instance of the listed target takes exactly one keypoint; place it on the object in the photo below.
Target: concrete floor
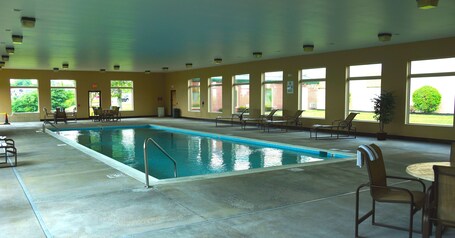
(57, 191)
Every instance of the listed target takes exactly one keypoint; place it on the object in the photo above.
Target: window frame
(302, 81)
(64, 87)
(360, 78)
(234, 85)
(263, 97)
(190, 94)
(123, 87)
(211, 85)
(35, 86)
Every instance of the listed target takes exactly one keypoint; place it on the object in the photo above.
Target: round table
(424, 170)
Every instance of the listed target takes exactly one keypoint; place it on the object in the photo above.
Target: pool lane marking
(32, 204)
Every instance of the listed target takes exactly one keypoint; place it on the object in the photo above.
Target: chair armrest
(398, 189)
(410, 179)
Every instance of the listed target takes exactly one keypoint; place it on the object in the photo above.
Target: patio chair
(258, 120)
(286, 121)
(116, 116)
(8, 148)
(48, 115)
(336, 128)
(440, 207)
(60, 114)
(231, 118)
(371, 155)
(97, 114)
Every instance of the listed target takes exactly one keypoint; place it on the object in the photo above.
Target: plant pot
(381, 135)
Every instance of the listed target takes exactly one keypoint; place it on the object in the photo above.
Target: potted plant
(384, 104)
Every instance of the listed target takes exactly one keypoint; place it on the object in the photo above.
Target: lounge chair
(8, 148)
(336, 128)
(72, 114)
(60, 114)
(286, 121)
(259, 120)
(48, 116)
(232, 118)
(439, 208)
(371, 155)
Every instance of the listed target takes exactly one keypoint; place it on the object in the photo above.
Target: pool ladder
(146, 166)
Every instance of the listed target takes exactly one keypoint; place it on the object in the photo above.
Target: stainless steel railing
(146, 166)
(47, 122)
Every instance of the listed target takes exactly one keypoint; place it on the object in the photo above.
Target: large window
(194, 94)
(272, 88)
(122, 94)
(364, 83)
(24, 95)
(431, 92)
(63, 94)
(241, 92)
(312, 92)
(216, 94)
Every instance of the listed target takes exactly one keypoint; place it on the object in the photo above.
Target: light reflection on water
(195, 155)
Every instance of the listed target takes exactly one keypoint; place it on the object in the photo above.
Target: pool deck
(57, 191)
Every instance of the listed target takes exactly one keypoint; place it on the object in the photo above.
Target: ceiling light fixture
(383, 37)
(257, 54)
(17, 39)
(10, 50)
(165, 68)
(218, 60)
(189, 65)
(147, 72)
(5, 57)
(55, 69)
(102, 70)
(28, 22)
(116, 67)
(427, 4)
(65, 65)
(2, 63)
(308, 48)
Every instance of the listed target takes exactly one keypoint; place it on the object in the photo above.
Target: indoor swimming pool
(196, 153)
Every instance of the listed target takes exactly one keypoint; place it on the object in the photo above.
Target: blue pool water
(196, 153)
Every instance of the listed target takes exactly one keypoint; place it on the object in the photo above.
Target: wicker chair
(381, 192)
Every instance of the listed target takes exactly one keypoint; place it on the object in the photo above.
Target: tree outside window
(24, 95)
(63, 94)
(122, 94)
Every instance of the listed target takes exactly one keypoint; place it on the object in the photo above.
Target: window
(241, 92)
(272, 88)
(216, 94)
(122, 94)
(364, 83)
(312, 92)
(194, 94)
(431, 95)
(63, 94)
(24, 95)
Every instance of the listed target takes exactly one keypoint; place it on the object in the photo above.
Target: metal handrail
(146, 166)
(48, 122)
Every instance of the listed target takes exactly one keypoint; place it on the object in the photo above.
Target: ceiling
(144, 35)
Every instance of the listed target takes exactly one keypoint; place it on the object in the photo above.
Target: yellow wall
(394, 59)
(147, 88)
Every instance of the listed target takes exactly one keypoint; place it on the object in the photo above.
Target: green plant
(383, 105)
(426, 99)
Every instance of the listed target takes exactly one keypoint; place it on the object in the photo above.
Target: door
(94, 100)
(173, 101)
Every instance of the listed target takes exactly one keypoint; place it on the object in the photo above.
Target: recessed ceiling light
(165, 68)
(102, 70)
(17, 39)
(257, 54)
(147, 72)
(55, 69)
(5, 57)
(10, 50)
(427, 4)
(116, 67)
(308, 48)
(28, 22)
(383, 37)
(189, 65)
(65, 65)
(218, 60)
(2, 63)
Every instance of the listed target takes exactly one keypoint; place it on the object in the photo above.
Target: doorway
(94, 100)
(174, 102)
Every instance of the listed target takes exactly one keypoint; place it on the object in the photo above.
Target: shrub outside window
(272, 87)
(312, 92)
(63, 94)
(431, 95)
(194, 94)
(24, 95)
(364, 83)
(241, 92)
(122, 94)
(216, 94)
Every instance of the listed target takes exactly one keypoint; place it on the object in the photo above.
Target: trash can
(160, 111)
(176, 113)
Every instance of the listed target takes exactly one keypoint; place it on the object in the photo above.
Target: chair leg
(411, 219)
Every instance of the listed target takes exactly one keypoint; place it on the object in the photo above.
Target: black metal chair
(381, 192)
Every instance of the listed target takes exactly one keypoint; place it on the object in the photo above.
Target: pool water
(196, 153)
